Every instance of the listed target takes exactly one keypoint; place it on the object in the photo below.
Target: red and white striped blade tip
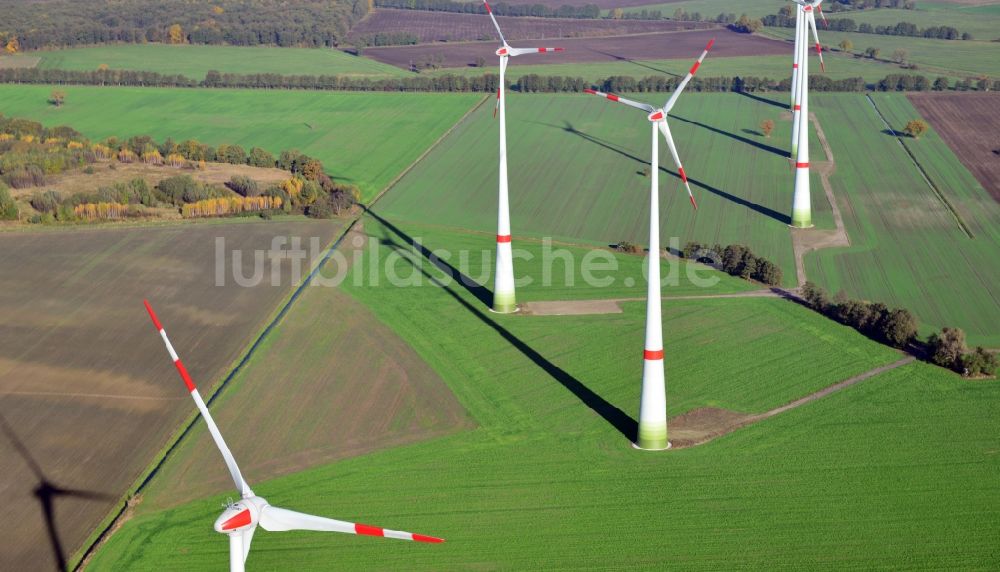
(693, 203)
(368, 530)
(710, 44)
(152, 315)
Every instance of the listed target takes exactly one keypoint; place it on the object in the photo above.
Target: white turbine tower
(653, 404)
(504, 300)
(240, 520)
(805, 20)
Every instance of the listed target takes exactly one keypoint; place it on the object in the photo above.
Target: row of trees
(485, 83)
(388, 39)
(61, 23)
(783, 20)
(736, 260)
(588, 11)
(223, 206)
(897, 326)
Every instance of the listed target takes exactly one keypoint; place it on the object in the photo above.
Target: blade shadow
(634, 62)
(762, 146)
(614, 416)
(782, 218)
(47, 492)
(766, 100)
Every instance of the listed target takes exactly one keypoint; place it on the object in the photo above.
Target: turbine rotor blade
(247, 539)
(665, 130)
(687, 78)
(274, 519)
(819, 49)
(227, 456)
(495, 25)
(636, 104)
(522, 51)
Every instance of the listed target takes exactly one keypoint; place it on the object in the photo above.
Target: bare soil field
(452, 27)
(77, 181)
(970, 124)
(580, 50)
(18, 61)
(85, 384)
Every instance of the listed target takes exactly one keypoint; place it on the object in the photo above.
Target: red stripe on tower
(184, 375)
(652, 355)
(503, 238)
(802, 165)
(684, 177)
(795, 66)
(368, 530)
(798, 107)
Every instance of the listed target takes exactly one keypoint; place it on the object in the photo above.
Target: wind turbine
(504, 300)
(802, 22)
(653, 404)
(240, 520)
(805, 20)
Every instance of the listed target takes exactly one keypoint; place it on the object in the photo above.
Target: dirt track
(703, 425)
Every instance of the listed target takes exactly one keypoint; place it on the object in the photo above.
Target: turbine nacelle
(503, 51)
(657, 115)
(240, 516)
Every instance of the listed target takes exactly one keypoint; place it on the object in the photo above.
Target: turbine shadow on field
(634, 62)
(46, 492)
(613, 415)
(784, 219)
(766, 100)
(762, 146)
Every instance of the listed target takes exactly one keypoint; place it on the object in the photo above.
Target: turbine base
(639, 447)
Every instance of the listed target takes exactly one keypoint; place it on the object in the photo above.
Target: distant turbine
(504, 300)
(239, 521)
(653, 404)
(805, 21)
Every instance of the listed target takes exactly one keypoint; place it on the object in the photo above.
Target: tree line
(898, 327)
(66, 23)
(899, 29)
(486, 83)
(588, 11)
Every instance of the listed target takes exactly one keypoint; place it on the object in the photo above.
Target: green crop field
(547, 480)
(907, 248)
(775, 67)
(365, 139)
(712, 8)
(576, 173)
(196, 61)
(981, 26)
(933, 57)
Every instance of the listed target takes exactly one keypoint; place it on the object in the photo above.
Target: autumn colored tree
(767, 126)
(176, 34)
(846, 46)
(916, 128)
(13, 46)
(57, 97)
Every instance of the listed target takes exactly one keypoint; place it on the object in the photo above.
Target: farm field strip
(967, 123)
(195, 61)
(365, 139)
(541, 457)
(906, 248)
(78, 334)
(452, 27)
(578, 50)
(583, 161)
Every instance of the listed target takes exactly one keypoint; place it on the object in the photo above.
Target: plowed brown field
(970, 124)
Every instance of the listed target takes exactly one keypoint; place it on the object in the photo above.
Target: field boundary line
(748, 420)
(113, 521)
(426, 152)
(937, 192)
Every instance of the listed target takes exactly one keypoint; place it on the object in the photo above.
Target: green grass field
(933, 57)
(196, 61)
(712, 8)
(907, 248)
(981, 25)
(544, 481)
(365, 139)
(576, 165)
(775, 67)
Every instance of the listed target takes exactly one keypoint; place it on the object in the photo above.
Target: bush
(25, 176)
(8, 208)
(260, 158)
(628, 247)
(947, 348)
(979, 362)
(244, 186)
(47, 202)
(182, 189)
(319, 209)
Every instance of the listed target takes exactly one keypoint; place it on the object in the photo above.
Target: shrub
(979, 362)
(182, 189)
(244, 186)
(947, 348)
(260, 158)
(8, 208)
(46, 202)
(629, 247)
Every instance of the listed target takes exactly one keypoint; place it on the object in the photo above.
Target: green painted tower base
(504, 303)
(652, 437)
